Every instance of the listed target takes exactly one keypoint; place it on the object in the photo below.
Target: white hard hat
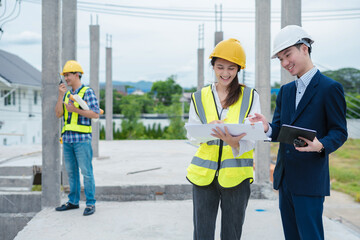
(289, 36)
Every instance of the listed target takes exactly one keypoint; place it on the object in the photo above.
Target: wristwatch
(321, 150)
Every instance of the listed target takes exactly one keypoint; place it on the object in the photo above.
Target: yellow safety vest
(216, 156)
(73, 124)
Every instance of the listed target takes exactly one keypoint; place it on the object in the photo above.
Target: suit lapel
(290, 99)
(309, 93)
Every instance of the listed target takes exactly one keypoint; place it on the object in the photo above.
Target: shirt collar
(77, 90)
(306, 78)
(213, 86)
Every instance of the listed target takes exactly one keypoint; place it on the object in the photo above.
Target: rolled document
(82, 103)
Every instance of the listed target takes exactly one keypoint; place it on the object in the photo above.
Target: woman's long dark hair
(234, 88)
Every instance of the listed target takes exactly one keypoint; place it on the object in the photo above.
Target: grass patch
(344, 168)
(36, 188)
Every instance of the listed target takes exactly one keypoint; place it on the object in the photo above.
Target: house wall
(20, 115)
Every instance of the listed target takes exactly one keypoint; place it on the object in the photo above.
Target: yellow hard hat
(72, 66)
(230, 50)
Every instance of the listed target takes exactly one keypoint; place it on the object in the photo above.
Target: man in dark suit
(312, 101)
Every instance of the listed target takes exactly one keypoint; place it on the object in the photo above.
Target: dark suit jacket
(322, 108)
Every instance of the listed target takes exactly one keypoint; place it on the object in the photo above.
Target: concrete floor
(124, 163)
(156, 220)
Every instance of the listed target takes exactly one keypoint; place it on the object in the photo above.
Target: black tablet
(289, 133)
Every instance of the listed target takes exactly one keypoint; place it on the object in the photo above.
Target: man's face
(70, 78)
(294, 60)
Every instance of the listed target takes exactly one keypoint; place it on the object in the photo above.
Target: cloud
(23, 38)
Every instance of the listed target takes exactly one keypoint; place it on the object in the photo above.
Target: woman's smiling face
(225, 71)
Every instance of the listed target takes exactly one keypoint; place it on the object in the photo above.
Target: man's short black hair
(309, 45)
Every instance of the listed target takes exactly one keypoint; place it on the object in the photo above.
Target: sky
(153, 49)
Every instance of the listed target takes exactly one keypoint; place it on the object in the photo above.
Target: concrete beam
(262, 83)
(219, 36)
(69, 51)
(290, 15)
(94, 81)
(69, 30)
(200, 70)
(49, 87)
(109, 96)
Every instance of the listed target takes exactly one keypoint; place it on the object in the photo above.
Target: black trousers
(233, 203)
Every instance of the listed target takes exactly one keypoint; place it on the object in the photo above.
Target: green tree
(147, 103)
(348, 77)
(131, 128)
(102, 133)
(176, 128)
(273, 102)
(192, 89)
(163, 90)
(350, 80)
(116, 101)
(353, 105)
(102, 99)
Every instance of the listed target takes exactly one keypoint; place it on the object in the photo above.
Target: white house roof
(15, 70)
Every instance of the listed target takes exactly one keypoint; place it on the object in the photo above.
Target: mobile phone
(299, 143)
(61, 81)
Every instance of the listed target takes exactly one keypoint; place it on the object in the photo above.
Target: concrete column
(200, 72)
(69, 30)
(219, 36)
(109, 95)
(290, 15)
(262, 83)
(94, 81)
(69, 48)
(49, 87)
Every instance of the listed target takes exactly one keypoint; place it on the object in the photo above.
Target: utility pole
(262, 83)
(290, 15)
(94, 79)
(200, 58)
(109, 90)
(50, 196)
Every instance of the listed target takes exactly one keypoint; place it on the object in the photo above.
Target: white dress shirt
(245, 145)
(302, 83)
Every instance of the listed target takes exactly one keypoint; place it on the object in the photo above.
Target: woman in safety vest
(221, 170)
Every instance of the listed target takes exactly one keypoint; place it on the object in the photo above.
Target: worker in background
(76, 135)
(312, 101)
(221, 170)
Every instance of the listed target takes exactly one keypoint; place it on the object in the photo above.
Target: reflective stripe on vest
(74, 125)
(203, 167)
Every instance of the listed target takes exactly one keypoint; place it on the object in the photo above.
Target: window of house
(7, 99)
(35, 97)
(13, 97)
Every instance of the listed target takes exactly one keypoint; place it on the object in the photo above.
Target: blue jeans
(233, 203)
(79, 155)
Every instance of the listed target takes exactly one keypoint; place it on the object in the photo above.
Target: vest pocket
(232, 172)
(196, 170)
